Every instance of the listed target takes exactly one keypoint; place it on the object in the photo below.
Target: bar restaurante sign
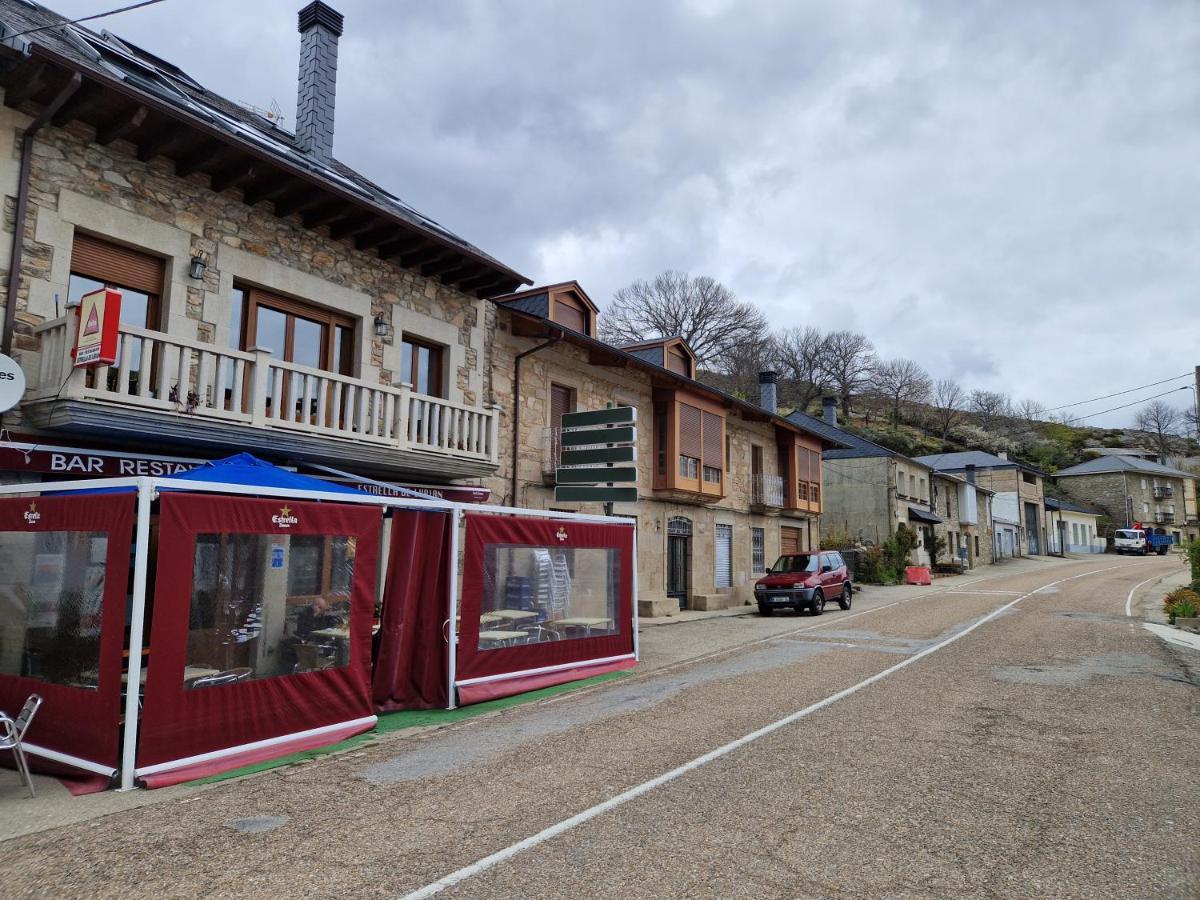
(79, 462)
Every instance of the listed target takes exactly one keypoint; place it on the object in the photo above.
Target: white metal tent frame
(148, 489)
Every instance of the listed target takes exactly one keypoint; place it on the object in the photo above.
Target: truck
(1141, 541)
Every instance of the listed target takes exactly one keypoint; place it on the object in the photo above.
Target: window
(532, 595)
(723, 558)
(1029, 478)
(421, 366)
(758, 550)
(1143, 484)
(694, 437)
(712, 475)
(1145, 508)
(689, 467)
(976, 545)
(912, 485)
(97, 264)
(728, 453)
(562, 401)
(661, 424)
(292, 330)
(922, 495)
(265, 605)
(52, 591)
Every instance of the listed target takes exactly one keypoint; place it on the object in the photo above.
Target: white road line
(988, 593)
(546, 834)
(1133, 590)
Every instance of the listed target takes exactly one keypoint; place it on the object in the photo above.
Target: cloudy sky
(1008, 193)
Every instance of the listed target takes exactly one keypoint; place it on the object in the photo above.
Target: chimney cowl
(1003, 454)
(767, 377)
(318, 13)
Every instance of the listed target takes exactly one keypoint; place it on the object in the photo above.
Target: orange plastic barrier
(917, 575)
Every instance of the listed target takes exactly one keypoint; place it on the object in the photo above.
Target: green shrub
(1193, 553)
(838, 540)
(1181, 602)
(897, 548)
(872, 568)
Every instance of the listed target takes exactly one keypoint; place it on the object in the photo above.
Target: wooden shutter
(560, 404)
(689, 431)
(678, 363)
(714, 448)
(571, 312)
(756, 460)
(120, 266)
(789, 541)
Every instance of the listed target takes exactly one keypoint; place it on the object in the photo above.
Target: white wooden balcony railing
(176, 375)
(766, 490)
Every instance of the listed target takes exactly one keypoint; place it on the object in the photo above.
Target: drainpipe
(18, 241)
(555, 337)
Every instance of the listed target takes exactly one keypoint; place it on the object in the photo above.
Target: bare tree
(700, 309)
(1163, 423)
(949, 402)
(801, 362)
(848, 362)
(902, 382)
(738, 367)
(1030, 411)
(991, 408)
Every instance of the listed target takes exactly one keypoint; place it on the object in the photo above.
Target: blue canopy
(241, 469)
(250, 471)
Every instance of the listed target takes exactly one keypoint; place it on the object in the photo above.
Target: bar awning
(916, 514)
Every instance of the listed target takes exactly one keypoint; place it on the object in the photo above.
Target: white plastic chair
(12, 733)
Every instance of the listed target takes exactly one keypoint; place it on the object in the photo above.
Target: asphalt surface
(1016, 736)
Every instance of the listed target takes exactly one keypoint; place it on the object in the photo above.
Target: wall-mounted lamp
(198, 266)
(383, 328)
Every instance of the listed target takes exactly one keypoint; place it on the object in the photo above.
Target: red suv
(805, 581)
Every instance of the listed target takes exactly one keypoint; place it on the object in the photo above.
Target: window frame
(437, 357)
(253, 298)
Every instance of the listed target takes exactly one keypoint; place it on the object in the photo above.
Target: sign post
(598, 462)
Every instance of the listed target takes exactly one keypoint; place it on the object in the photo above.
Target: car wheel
(818, 603)
(763, 609)
(847, 596)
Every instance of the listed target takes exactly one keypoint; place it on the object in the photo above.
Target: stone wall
(1108, 491)
(107, 191)
(858, 498)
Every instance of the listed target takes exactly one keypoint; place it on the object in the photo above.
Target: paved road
(1019, 736)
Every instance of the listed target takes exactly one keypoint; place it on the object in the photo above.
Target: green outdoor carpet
(410, 718)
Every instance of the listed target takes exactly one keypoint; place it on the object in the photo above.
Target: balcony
(190, 393)
(1163, 491)
(766, 491)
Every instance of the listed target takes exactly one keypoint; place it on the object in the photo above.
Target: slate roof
(1068, 506)
(855, 447)
(109, 57)
(953, 462)
(1103, 465)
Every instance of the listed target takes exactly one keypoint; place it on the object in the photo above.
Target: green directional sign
(616, 415)
(597, 475)
(598, 456)
(621, 435)
(589, 494)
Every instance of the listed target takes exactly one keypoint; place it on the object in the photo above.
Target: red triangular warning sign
(93, 322)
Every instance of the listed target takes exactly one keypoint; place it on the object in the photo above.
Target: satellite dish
(12, 383)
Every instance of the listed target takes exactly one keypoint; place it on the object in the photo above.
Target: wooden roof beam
(75, 107)
(461, 273)
(446, 261)
(128, 121)
(17, 93)
(375, 236)
(424, 254)
(399, 246)
(158, 140)
(351, 225)
(324, 213)
(198, 158)
(302, 198)
(230, 175)
(482, 282)
(265, 186)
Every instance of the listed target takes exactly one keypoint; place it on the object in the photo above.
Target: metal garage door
(789, 540)
(724, 571)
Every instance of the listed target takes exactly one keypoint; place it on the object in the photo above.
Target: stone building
(1019, 490)
(965, 510)
(271, 299)
(724, 486)
(1128, 489)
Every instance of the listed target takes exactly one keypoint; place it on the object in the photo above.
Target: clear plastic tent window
(265, 605)
(51, 596)
(533, 595)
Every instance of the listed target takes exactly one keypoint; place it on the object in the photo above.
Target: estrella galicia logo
(285, 519)
(561, 534)
(32, 516)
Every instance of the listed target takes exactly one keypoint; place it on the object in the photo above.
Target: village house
(724, 486)
(1072, 528)
(1132, 489)
(870, 491)
(271, 299)
(1019, 490)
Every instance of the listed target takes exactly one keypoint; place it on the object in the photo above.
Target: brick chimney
(320, 27)
(829, 410)
(767, 392)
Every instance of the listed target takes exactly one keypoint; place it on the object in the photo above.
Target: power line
(111, 12)
(1134, 403)
(1119, 393)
